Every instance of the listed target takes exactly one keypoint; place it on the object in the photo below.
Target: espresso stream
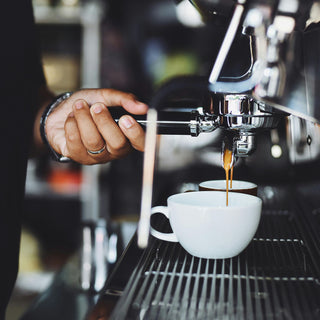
(227, 165)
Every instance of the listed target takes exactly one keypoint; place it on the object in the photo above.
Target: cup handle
(160, 235)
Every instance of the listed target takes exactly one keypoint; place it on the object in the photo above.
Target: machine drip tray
(276, 277)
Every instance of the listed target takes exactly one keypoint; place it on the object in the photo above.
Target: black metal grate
(274, 278)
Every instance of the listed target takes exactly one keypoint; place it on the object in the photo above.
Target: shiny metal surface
(244, 114)
(97, 252)
(244, 144)
(283, 72)
(303, 140)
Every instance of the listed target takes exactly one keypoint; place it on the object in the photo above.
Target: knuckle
(119, 150)
(130, 96)
(94, 145)
(121, 144)
(126, 97)
(72, 136)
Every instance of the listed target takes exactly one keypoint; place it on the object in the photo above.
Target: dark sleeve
(20, 60)
(35, 57)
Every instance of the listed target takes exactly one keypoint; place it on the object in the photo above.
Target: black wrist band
(55, 156)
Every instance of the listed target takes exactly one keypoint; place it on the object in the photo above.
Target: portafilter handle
(191, 122)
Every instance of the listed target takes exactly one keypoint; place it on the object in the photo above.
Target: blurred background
(135, 46)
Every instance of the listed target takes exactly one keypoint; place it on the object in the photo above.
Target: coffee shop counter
(275, 277)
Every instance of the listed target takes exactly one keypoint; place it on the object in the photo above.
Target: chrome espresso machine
(277, 276)
(280, 82)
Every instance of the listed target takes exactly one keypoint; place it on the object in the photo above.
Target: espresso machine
(279, 82)
(277, 276)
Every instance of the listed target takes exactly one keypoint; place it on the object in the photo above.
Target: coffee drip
(228, 166)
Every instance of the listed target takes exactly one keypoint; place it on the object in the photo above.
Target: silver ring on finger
(94, 152)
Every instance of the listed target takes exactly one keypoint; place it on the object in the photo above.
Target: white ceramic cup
(237, 186)
(206, 227)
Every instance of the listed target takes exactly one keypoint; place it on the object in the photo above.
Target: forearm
(45, 97)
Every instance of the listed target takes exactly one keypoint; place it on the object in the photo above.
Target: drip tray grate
(274, 278)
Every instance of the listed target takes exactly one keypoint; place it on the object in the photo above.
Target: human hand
(82, 122)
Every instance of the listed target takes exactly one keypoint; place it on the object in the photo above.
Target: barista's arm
(82, 122)
(45, 96)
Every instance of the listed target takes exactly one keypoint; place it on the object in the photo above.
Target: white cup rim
(248, 199)
(221, 184)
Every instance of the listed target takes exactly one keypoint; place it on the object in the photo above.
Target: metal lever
(174, 122)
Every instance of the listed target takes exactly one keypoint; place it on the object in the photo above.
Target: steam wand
(147, 179)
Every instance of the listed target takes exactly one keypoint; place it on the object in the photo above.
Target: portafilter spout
(243, 117)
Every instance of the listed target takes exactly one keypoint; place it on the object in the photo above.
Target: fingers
(116, 142)
(111, 97)
(133, 131)
(130, 128)
(127, 100)
(92, 136)
(75, 147)
(89, 133)
(83, 122)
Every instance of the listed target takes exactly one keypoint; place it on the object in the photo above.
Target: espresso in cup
(237, 186)
(206, 227)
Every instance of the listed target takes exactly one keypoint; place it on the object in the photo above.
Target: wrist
(48, 110)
